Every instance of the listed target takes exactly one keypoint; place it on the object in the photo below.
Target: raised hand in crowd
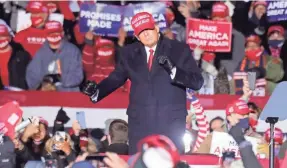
(30, 130)
(197, 53)
(76, 128)
(246, 90)
(89, 35)
(122, 37)
(114, 161)
(81, 157)
(168, 33)
(64, 146)
(184, 10)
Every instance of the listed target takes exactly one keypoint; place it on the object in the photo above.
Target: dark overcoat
(157, 104)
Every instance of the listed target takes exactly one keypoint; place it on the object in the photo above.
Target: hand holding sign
(122, 36)
(246, 90)
(89, 35)
(184, 10)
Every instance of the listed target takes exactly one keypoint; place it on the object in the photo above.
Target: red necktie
(150, 58)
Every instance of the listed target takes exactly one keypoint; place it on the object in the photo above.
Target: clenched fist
(89, 88)
(165, 62)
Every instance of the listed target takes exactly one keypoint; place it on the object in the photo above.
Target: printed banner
(157, 9)
(222, 142)
(104, 20)
(277, 11)
(209, 35)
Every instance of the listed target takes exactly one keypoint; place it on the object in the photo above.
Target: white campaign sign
(23, 20)
(222, 141)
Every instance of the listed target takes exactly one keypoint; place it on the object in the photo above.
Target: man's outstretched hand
(165, 62)
(89, 88)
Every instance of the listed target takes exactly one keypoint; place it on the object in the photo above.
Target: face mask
(36, 20)
(54, 39)
(169, 17)
(4, 43)
(244, 123)
(275, 43)
(253, 55)
(253, 123)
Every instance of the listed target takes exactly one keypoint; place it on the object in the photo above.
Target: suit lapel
(139, 61)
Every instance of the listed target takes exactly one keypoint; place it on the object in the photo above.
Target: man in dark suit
(160, 70)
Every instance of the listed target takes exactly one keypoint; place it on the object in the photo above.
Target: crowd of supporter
(49, 56)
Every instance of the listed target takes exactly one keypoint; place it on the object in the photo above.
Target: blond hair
(50, 142)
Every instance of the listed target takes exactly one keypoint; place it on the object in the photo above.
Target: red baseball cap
(278, 135)
(208, 56)
(277, 28)
(238, 107)
(37, 7)
(142, 21)
(219, 9)
(260, 2)
(156, 142)
(4, 30)
(53, 27)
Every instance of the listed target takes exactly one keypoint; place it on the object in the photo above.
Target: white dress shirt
(173, 71)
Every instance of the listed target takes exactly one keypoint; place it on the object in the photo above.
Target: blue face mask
(275, 43)
(244, 123)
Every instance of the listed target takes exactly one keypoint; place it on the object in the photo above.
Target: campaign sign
(277, 11)
(222, 142)
(157, 9)
(213, 36)
(104, 20)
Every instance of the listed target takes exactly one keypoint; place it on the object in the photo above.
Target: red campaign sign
(213, 36)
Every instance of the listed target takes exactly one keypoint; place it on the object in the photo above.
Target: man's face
(224, 19)
(44, 16)
(253, 114)
(276, 36)
(259, 11)
(149, 37)
(217, 125)
(251, 46)
(4, 41)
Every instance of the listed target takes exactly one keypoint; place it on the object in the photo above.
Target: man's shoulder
(70, 46)
(132, 46)
(176, 43)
